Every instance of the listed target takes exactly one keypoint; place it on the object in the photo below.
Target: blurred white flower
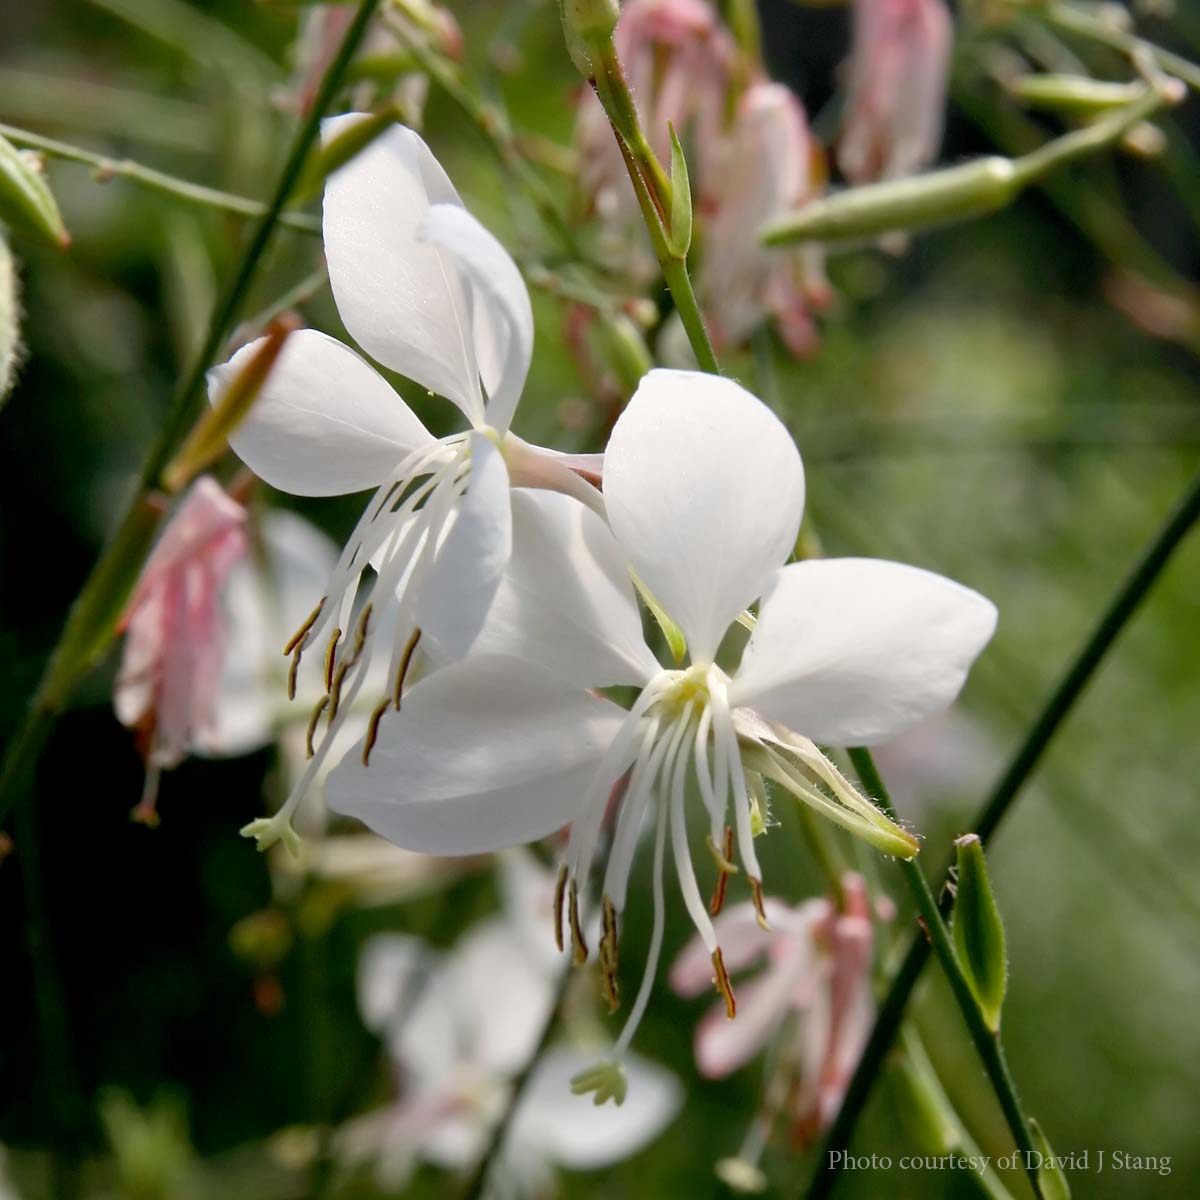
(168, 683)
(427, 291)
(704, 491)
(898, 67)
(460, 1026)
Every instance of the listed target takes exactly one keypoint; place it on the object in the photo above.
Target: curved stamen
(633, 810)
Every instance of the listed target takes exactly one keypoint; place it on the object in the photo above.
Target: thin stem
(987, 1042)
(479, 1177)
(93, 616)
(1078, 21)
(183, 189)
(1116, 616)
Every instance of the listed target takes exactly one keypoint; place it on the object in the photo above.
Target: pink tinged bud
(898, 68)
(166, 687)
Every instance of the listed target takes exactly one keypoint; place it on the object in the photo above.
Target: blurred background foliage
(977, 406)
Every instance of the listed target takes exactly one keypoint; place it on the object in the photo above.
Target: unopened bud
(586, 25)
(27, 204)
(979, 932)
(1074, 94)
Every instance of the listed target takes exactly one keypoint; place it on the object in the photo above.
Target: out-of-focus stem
(183, 189)
(1116, 616)
(93, 616)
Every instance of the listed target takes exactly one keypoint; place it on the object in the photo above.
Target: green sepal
(679, 237)
(27, 204)
(979, 932)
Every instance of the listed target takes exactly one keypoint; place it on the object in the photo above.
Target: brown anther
(410, 648)
(608, 954)
(360, 633)
(611, 992)
(581, 950)
(756, 894)
(723, 985)
(335, 692)
(725, 868)
(292, 673)
(560, 890)
(373, 729)
(318, 709)
(302, 632)
(330, 654)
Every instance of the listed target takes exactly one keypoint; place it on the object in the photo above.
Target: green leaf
(27, 204)
(680, 236)
(979, 932)
(1052, 1182)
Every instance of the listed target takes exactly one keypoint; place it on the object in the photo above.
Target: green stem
(987, 1042)
(1076, 20)
(92, 620)
(679, 284)
(124, 168)
(1116, 616)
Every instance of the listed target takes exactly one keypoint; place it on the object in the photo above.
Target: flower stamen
(723, 985)
(725, 868)
(577, 941)
(560, 891)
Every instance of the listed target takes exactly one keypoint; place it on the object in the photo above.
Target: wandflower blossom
(460, 1026)
(898, 68)
(428, 292)
(704, 491)
(168, 682)
(815, 968)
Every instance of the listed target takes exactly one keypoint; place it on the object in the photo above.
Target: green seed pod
(10, 320)
(978, 931)
(27, 204)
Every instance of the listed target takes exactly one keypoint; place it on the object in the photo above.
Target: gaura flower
(766, 163)
(428, 292)
(704, 490)
(460, 1026)
(816, 968)
(168, 683)
(899, 63)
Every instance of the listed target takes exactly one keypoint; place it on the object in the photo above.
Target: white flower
(704, 491)
(428, 292)
(459, 1027)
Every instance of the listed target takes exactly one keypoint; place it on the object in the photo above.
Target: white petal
(722, 1045)
(387, 970)
(401, 298)
(504, 995)
(705, 490)
(458, 591)
(575, 1133)
(486, 753)
(566, 601)
(325, 422)
(502, 318)
(855, 651)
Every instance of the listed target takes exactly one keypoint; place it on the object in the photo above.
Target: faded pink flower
(166, 688)
(766, 163)
(680, 63)
(899, 63)
(818, 969)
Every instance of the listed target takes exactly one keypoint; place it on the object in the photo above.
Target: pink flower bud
(898, 67)
(175, 631)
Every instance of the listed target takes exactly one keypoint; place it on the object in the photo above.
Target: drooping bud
(586, 25)
(979, 932)
(27, 204)
(10, 320)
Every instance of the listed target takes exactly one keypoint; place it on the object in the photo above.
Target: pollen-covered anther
(373, 729)
(723, 985)
(410, 648)
(609, 955)
(293, 669)
(560, 891)
(297, 639)
(756, 894)
(331, 658)
(335, 691)
(725, 868)
(581, 950)
(318, 709)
